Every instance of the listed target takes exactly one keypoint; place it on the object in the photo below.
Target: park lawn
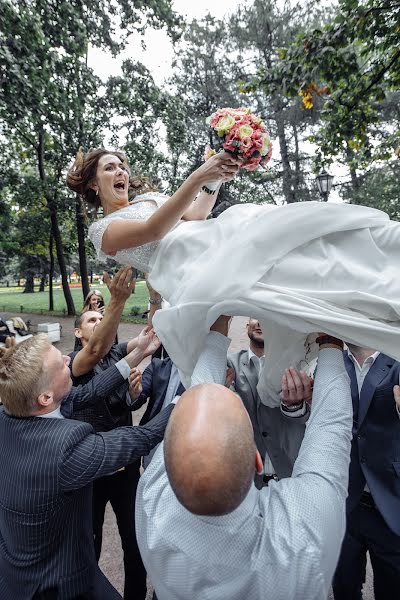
(12, 301)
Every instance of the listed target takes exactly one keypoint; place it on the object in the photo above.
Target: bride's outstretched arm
(201, 207)
(121, 234)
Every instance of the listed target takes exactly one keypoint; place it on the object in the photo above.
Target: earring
(97, 192)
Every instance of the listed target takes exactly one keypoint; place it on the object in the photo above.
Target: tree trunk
(80, 228)
(54, 227)
(29, 284)
(42, 282)
(287, 175)
(355, 181)
(91, 278)
(61, 259)
(51, 274)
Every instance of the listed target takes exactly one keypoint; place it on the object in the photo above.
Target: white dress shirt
(258, 361)
(283, 541)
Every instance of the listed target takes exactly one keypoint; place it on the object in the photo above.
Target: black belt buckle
(367, 500)
(267, 478)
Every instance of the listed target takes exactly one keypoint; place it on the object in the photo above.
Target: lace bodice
(141, 208)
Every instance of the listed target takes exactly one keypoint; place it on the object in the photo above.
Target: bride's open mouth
(119, 186)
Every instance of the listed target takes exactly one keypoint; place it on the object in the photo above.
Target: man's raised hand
(135, 383)
(221, 325)
(147, 341)
(297, 387)
(121, 285)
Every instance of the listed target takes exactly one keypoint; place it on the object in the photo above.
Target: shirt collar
(369, 360)
(54, 414)
(241, 512)
(253, 356)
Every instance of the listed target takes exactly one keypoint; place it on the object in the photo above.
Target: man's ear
(45, 399)
(259, 466)
(78, 332)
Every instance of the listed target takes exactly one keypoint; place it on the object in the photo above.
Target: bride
(297, 268)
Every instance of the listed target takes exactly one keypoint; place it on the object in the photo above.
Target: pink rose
(229, 147)
(253, 163)
(246, 144)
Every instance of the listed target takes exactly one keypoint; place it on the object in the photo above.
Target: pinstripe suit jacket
(47, 469)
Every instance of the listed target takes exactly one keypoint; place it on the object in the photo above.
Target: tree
(352, 62)
(379, 188)
(258, 31)
(46, 84)
(203, 81)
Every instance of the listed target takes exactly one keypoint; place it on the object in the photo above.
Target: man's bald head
(209, 450)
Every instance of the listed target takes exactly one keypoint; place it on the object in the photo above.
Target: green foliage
(52, 103)
(354, 64)
(379, 188)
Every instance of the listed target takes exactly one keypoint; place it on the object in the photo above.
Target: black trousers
(100, 589)
(367, 531)
(120, 490)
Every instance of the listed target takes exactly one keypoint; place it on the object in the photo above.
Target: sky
(158, 55)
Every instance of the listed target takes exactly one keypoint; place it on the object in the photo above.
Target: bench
(52, 330)
(18, 338)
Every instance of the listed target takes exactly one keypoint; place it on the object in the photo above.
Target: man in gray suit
(49, 462)
(278, 432)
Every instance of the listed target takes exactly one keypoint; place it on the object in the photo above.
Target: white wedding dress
(298, 268)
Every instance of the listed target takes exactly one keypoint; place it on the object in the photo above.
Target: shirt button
(359, 437)
(264, 434)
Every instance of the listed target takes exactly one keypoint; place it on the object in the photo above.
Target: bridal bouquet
(239, 131)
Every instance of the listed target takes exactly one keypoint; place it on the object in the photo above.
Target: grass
(13, 300)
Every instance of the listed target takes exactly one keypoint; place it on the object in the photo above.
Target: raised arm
(121, 234)
(103, 336)
(103, 384)
(97, 454)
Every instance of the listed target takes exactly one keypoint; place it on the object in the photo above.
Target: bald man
(205, 531)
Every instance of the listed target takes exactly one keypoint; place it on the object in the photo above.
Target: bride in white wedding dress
(298, 268)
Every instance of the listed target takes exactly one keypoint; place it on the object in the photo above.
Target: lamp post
(324, 183)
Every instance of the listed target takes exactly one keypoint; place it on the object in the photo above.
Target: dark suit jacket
(48, 466)
(155, 381)
(375, 450)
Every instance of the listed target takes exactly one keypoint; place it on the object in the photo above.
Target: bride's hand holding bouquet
(242, 134)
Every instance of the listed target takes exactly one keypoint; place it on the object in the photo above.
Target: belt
(367, 500)
(267, 478)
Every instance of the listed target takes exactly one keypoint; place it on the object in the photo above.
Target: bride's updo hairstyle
(83, 172)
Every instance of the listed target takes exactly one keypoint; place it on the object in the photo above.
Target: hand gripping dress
(299, 269)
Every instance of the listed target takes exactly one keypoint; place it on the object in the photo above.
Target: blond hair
(22, 375)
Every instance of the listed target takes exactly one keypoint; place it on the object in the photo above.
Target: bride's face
(112, 182)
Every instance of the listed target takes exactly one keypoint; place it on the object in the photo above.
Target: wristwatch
(329, 339)
(292, 407)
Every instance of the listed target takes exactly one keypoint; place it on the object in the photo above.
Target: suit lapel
(378, 371)
(354, 388)
(250, 372)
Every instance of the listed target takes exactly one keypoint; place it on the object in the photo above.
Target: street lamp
(324, 183)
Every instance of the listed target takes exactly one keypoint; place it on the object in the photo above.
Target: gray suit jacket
(278, 435)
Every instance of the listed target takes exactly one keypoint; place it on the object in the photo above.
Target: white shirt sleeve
(211, 365)
(123, 368)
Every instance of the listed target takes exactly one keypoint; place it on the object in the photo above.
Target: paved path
(111, 557)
